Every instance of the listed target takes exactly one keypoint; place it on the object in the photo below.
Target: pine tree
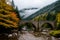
(8, 17)
(13, 3)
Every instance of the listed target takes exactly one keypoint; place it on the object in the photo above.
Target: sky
(32, 3)
(21, 4)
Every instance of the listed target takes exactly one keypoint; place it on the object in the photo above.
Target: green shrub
(55, 33)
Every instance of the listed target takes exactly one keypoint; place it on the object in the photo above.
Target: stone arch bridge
(40, 23)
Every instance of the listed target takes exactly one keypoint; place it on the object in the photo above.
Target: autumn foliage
(8, 17)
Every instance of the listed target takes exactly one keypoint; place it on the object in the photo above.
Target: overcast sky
(32, 3)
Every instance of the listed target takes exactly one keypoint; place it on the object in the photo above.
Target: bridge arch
(28, 25)
(47, 25)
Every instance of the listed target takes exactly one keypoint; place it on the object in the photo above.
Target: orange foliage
(8, 18)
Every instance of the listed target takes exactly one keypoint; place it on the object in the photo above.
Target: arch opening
(30, 26)
(47, 26)
(27, 27)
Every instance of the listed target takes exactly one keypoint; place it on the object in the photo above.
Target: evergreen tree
(17, 11)
(13, 3)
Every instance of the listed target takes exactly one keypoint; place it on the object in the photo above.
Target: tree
(56, 32)
(51, 16)
(41, 17)
(17, 11)
(8, 17)
(58, 20)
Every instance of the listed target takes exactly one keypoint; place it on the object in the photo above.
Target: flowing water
(29, 36)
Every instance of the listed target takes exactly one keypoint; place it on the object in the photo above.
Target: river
(29, 36)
